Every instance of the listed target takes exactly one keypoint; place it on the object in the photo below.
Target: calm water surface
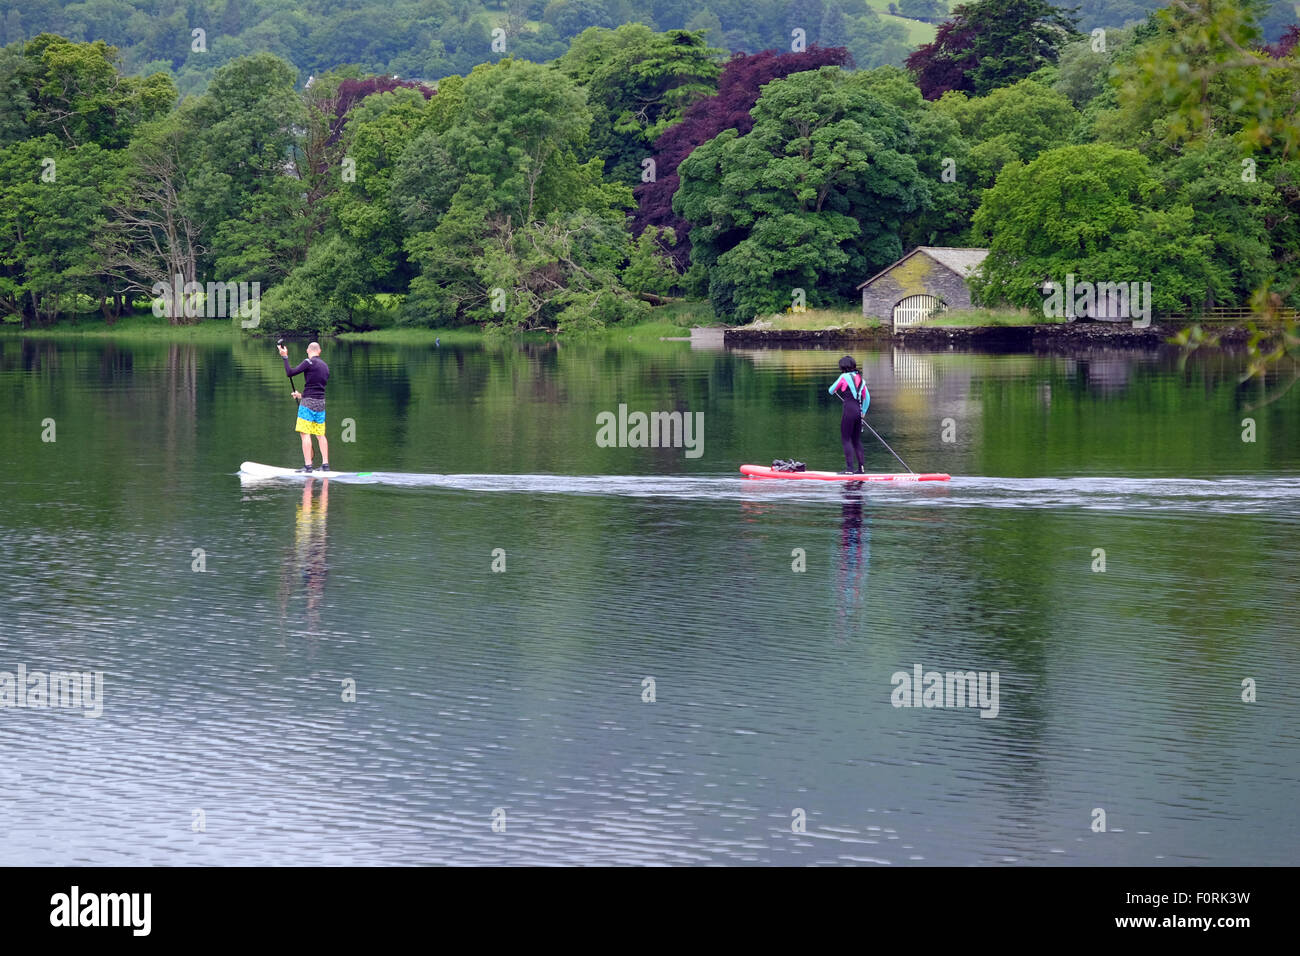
(225, 738)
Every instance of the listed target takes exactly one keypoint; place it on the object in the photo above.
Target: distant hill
(430, 39)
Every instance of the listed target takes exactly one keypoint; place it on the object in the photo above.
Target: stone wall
(1063, 336)
(917, 275)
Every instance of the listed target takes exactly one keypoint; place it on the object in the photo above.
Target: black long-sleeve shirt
(317, 374)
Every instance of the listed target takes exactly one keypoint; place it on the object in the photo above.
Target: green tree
(530, 236)
(379, 130)
(1198, 75)
(1015, 122)
(152, 233)
(332, 289)
(243, 135)
(1090, 210)
(51, 203)
(638, 83)
(651, 268)
(1202, 74)
(1084, 71)
(66, 113)
(76, 92)
(812, 198)
(425, 180)
(942, 154)
(833, 29)
(706, 22)
(931, 10)
(231, 18)
(991, 43)
(527, 127)
(873, 41)
(1235, 211)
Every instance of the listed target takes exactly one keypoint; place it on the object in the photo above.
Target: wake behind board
(763, 471)
(252, 471)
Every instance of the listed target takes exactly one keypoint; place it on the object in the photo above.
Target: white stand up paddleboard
(253, 471)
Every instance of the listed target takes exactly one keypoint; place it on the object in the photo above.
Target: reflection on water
(855, 554)
(479, 688)
(306, 564)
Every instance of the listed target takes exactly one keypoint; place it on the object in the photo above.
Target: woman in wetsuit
(852, 389)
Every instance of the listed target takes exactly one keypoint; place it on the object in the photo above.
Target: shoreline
(1038, 337)
(216, 331)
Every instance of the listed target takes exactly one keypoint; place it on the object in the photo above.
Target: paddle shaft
(292, 384)
(886, 444)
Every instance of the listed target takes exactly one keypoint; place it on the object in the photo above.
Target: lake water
(229, 619)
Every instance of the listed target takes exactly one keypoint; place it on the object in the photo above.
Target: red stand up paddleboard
(763, 471)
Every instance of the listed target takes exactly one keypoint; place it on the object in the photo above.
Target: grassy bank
(982, 318)
(139, 325)
(471, 334)
(674, 320)
(850, 318)
(666, 321)
(413, 335)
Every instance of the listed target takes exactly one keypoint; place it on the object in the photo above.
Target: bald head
(313, 349)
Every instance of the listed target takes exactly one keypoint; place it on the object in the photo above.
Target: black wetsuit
(317, 374)
(851, 434)
(851, 420)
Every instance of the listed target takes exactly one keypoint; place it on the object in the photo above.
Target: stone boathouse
(926, 280)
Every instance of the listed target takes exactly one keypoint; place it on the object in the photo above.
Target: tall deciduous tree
(51, 202)
(530, 236)
(738, 90)
(1235, 211)
(638, 84)
(66, 113)
(991, 43)
(244, 140)
(1011, 123)
(812, 198)
(1092, 211)
(76, 92)
(152, 234)
(942, 157)
(1200, 75)
(379, 131)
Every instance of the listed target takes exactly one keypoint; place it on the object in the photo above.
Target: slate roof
(959, 260)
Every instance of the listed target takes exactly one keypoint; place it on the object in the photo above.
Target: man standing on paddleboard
(852, 391)
(311, 403)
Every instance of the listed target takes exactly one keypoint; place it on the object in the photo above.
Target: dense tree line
(645, 164)
(426, 39)
(430, 39)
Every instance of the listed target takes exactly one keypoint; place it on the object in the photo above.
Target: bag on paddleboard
(791, 465)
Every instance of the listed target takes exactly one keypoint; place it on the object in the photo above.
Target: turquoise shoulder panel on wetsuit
(859, 393)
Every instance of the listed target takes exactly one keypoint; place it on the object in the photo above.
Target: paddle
(886, 444)
(280, 344)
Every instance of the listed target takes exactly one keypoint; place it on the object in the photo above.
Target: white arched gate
(916, 308)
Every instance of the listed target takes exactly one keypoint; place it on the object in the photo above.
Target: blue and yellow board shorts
(311, 416)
